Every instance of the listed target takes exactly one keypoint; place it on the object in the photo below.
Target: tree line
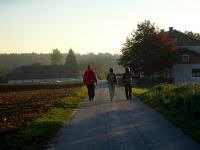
(76, 62)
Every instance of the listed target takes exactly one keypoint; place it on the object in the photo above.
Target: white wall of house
(37, 80)
(182, 73)
(15, 81)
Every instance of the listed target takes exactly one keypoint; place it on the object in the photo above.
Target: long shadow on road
(120, 125)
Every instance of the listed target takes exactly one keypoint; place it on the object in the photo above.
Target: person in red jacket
(90, 79)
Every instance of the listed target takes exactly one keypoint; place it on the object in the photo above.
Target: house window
(185, 58)
(195, 72)
(175, 40)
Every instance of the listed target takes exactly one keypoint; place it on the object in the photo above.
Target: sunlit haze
(86, 25)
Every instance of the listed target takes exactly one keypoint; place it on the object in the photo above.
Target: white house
(187, 67)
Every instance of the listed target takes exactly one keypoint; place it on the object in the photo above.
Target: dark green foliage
(148, 50)
(192, 34)
(56, 58)
(101, 62)
(71, 62)
(179, 103)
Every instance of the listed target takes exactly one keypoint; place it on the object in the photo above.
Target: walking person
(112, 81)
(89, 79)
(128, 80)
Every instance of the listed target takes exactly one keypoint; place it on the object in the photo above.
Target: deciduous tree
(148, 49)
(56, 58)
(192, 34)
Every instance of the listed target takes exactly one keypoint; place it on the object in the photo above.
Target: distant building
(187, 67)
(39, 73)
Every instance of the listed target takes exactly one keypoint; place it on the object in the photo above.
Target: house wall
(15, 81)
(193, 57)
(182, 73)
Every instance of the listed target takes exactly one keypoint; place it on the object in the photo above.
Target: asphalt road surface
(120, 125)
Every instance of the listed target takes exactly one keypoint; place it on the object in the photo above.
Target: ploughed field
(17, 108)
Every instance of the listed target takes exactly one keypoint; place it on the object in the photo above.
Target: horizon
(95, 53)
(86, 26)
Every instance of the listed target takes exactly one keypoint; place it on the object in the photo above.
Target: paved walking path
(120, 125)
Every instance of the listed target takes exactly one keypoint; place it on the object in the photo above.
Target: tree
(56, 58)
(100, 68)
(192, 34)
(71, 62)
(148, 49)
(101, 63)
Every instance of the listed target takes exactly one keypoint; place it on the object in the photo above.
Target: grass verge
(139, 91)
(36, 134)
(180, 104)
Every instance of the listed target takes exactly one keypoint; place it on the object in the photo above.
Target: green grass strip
(139, 91)
(36, 134)
(180, 104)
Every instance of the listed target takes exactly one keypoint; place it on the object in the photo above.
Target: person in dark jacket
(89, 79)
(128, 80)
(112, 81)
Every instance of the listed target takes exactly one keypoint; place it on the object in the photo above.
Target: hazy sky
(86, 25)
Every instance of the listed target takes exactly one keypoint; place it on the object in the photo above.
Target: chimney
(162, 30)
(170, 29)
